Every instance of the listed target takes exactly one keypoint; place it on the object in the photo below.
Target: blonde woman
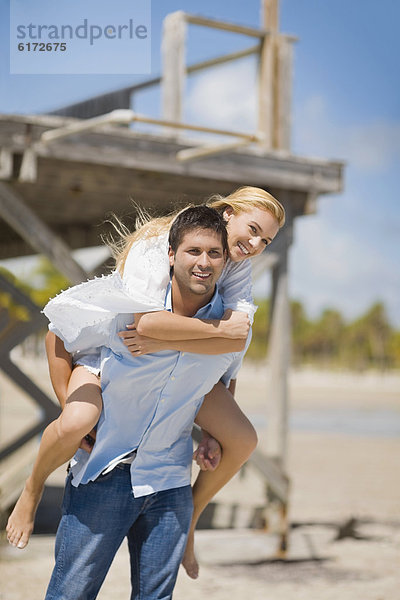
(80, 324)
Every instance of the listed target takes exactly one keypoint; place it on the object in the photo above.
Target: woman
(81, 318)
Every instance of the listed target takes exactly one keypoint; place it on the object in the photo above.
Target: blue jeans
(97, 517)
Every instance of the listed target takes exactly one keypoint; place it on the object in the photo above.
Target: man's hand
(235, 324)
(140, 344)
(88, 441)
(208, 454)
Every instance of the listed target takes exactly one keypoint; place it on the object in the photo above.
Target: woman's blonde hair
(247, 197)
(241, 200)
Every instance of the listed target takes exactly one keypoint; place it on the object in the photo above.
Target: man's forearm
(60, 366)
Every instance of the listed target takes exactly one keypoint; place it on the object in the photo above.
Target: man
(136, 481)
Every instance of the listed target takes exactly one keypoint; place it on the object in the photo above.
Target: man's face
(198, 261)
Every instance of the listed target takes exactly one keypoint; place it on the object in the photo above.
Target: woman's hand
(208, 454)
(140, 344)
(88, 441)
(235, 324)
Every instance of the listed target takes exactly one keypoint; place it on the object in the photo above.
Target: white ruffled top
(82, 315)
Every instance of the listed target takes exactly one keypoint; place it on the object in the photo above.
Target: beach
(343, 462)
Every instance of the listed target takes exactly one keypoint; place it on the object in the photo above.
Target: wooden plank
(21, 218)
(76, 180)
(115, 117)
(198, 152)
(286, 173)
(219, 60)
(128, 116)
(225, 26)
(122, 139)
(63, 188)
(192, 127)
(23, 120)
(62, 206)
(273, 474)
(173, 60)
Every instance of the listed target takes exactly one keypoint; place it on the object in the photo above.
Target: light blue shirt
(149, 405)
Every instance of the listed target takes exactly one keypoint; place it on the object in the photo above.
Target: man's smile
(201, 275)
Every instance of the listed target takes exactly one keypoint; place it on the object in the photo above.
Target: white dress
(82, 315)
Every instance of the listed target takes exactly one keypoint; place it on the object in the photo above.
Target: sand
(344, 462)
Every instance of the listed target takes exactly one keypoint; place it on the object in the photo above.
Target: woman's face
(249, 232)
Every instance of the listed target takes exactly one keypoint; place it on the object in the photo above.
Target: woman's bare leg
(222, 418)
(59, 442)
(60, 366)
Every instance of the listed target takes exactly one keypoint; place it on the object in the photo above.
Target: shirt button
(173, 378)
(183, 354)
(162, 399)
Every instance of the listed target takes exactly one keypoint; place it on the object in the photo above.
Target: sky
(346, 106)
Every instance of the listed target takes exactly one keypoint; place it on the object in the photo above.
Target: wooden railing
(274, 55)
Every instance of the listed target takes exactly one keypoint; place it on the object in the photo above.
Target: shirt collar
(204, 309)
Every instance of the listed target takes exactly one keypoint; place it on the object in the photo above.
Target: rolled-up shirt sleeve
(236, 287)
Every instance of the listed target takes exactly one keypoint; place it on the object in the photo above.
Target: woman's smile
(249, 232)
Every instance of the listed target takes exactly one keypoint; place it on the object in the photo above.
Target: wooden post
(6, 163)
(265, 104)
(279, 350)
(21, 218)
(282, 116)
(174, 70)
(267, 72)
(270, 15)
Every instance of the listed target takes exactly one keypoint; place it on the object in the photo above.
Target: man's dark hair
(197, 217)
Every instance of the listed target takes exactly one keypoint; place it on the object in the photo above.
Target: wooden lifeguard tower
(60, 173)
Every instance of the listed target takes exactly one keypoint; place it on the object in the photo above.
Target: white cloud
(372, 146)
(224, 97)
